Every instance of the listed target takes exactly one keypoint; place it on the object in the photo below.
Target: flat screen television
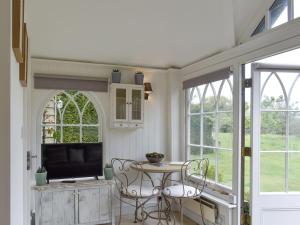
(72, 160)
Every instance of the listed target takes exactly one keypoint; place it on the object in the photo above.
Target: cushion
(181, 191)
(137, 191)
(93, 155)
(57, 155)
(76, 155)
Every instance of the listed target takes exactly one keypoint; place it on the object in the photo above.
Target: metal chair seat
(136, 191)
(181, 191)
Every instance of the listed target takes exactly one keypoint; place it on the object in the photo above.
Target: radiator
(209, 208)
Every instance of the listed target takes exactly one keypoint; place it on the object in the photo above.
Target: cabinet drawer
(120, 125)
(136, 125)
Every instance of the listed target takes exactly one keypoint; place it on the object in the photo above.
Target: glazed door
(275, 161)
(136, 105)
(121, 104)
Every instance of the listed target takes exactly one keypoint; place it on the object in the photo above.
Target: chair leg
(120, 212)
(181, 213)
(136, 211)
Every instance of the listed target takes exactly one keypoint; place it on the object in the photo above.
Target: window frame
(80, 125)
(212, 185)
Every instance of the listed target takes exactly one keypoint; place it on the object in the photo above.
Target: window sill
(219, 201)
(218, 193)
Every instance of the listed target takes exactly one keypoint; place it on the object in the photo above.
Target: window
(70, 117)
(260, 28)
(280, 132)
(296, 8)
(279, 13)
(210, 128)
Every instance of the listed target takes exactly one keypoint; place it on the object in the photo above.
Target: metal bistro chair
(187, 187)
(131, 185)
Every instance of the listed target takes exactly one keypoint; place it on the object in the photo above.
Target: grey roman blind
(207, 78)
(65, 82)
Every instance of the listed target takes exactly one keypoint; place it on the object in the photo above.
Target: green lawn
(272, 165)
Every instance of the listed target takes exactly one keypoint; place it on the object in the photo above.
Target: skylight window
(281, 11)
(296, 8)
(260, 28)
(278, 13)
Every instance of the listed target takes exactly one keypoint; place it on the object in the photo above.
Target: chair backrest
(194, 173)
(127, 172)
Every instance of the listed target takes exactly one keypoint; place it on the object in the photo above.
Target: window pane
(90, 134)
(50, 134)
(121, 104)
(272, 172)
(294, 103)
(278, 13)
(61, 100)
(194, 152)
(209, 136)
(58, 116)
(136, 105)
(209, 153)
(49, 115)
(194, 101)
(294, 171)
(71, 114)
(225, 99)
(273, 127)
(81, 101)
(294, 131)
(71, 92)
(225, 137)
(195, 129)
(296, 8)
(272, 93)
(90, 115)
(209, 100)
(225, 167)
(260, 28)
(71, 135)
(247, 179)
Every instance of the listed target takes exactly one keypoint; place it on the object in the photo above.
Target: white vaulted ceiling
(154, 33)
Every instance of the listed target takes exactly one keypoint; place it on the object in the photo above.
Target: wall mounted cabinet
(127, 105)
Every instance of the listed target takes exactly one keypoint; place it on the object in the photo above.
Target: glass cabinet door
(136, 104)
(121, 100)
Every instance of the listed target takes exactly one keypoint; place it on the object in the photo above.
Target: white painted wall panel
(5, 46)
(280, 216)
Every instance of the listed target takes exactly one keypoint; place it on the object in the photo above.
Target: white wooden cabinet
(83, 204)
(127, 105)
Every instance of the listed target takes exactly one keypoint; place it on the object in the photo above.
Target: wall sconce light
(147, 90)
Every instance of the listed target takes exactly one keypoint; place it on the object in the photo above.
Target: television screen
(72, 160)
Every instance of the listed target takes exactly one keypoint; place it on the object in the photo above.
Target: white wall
(124, 143)
(5, 46)
(11, 120)
(17, 153)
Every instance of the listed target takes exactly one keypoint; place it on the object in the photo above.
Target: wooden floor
(129, 221)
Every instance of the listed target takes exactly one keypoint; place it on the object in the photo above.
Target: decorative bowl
(155, 157)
